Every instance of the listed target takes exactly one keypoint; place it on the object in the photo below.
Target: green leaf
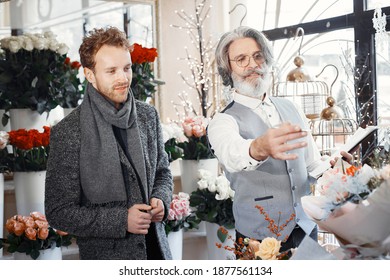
(222, 234)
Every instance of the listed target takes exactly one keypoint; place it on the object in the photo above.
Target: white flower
(223, 188)
(4, 138)
(14, 46)
(172, 130)
(62, 49)
(202, 184)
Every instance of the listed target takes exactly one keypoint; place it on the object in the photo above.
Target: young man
(108, 179)
(261, 143)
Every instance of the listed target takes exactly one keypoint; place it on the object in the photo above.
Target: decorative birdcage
(299, 87)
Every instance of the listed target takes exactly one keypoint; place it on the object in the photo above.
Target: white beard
(253, 89)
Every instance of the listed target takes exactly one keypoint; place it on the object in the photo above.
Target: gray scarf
(100, 168)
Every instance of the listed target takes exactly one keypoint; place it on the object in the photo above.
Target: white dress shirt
(233, 151)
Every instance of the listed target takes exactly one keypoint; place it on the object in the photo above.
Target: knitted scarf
(100, 168)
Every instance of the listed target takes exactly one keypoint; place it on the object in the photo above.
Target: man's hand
(274, 143)
(345, 156)
(157, 211)
(139, 218)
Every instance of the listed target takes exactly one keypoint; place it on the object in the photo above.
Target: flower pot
(53, 253)
(215, 253)
(1, 209)
(175, 241)
(30, 192)
(189, 172)
(27, 118)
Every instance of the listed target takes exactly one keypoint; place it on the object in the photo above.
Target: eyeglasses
(244, 60)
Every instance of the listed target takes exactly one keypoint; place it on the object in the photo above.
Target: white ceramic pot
(53, 253)
(27, 119)
(30, 192)
(215, 253)
(175, 240)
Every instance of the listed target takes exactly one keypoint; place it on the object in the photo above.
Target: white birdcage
(299, 87)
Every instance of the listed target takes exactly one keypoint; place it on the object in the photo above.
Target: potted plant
(180, 218)
(28, 162)
(143, 84)
(213, 202)
(195, 152)
(32, 74)
(32, 235)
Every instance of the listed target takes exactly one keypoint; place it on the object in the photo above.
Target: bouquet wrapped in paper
(354, 205)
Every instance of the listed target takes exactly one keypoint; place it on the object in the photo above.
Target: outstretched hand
(275, 143)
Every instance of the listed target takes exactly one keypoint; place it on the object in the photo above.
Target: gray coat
(102, 231)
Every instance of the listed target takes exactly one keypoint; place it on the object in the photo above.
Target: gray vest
(275, 185)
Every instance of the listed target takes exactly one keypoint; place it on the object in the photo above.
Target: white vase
(27, 118)
(1, 209)
(215, 253)
(189, 172)
(53, 253)
(30, 192)
(175, 240)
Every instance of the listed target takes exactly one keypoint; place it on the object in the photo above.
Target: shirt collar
(251, 102)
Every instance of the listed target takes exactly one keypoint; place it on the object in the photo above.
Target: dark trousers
(293, 240)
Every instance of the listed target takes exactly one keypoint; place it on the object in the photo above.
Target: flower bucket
(30, 192)
(175, 241)
(215, 253)
(53, 253)
(27, 118)
(189, 172)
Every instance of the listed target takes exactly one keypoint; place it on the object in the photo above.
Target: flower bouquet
(353, 204)
(32, 72)
(180, 215)
(267, 249)
(30, 149)
(143, 84)
(32, 234)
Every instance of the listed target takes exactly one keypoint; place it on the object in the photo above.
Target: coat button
(296, 204)
(293, 188)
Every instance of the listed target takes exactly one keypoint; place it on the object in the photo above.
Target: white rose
(4, 137)
(53, 45)
(14, 46)
(39, 44)
(204, 174)
(268, 249)
(212, 187)
(202, 184)
(28, 44)
(4, 43)
(62, 49)
(49, 35)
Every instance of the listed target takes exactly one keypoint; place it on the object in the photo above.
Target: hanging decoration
(379, 23)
